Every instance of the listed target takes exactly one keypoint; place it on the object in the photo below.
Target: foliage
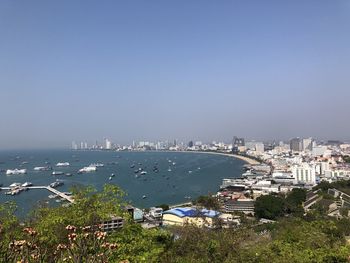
(346, 158)
(341, 185)
(208, 202)
(289, 240)
(269, 207)
(9, 229)
(73, 233)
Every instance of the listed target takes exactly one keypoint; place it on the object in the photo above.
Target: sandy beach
(243, 158)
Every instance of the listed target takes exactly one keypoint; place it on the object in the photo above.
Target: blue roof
(191, 212)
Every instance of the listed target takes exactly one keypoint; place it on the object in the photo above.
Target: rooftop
(191, 212)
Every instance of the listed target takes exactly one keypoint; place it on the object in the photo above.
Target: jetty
(48, 188)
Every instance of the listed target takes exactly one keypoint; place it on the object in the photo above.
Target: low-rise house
(239, 205)
(156, 212)
(115, 222)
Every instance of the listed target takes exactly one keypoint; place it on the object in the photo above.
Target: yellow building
(188, 215)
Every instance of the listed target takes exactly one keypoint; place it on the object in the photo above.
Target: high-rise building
(237, 141)
(190, 144)
(108, 144)
(296, 144)
(74, 146)
(307, 144)
(304, 173)
(259, 147)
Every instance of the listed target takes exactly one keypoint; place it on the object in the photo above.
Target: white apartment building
(304, 173)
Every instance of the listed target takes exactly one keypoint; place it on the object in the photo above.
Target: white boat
(88, 169)
(169, 170)
(63, 164)
(189, 172)
(16, 171)
(143, 172)
(41, 168)
(144, 197)
(96, 165)
(110, 178)
(52, 196)
(26, 184)
(174, 163)
(57, 173)
(13, 185)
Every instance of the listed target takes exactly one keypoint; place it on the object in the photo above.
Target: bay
(191, 175)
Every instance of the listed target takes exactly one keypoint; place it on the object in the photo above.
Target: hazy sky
(143, 70)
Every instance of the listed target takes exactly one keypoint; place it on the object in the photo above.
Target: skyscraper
(296, 144)
(108, 144)
(237, 142)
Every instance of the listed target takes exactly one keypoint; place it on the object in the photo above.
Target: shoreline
(240, 157)
(246, 159)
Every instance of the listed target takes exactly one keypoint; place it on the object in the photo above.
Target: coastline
(240, 157)
(246, 159)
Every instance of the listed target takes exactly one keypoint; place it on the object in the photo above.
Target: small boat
(110, 178)
(26, 184)
(198, 168)
(144, 197)
(16, 171)
(62, 164)
(88, 169)
(42, 168)
(57, 173)
(174, 163)
(143, 172)
(112, 175)
(52, 196)
(68, 174)
(97, 165)
(136, 171)
(169, 170)
(13, 185)
(132, 166)
(56, 184)
(189, 172)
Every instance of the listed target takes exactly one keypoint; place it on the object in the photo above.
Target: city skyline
(194, 70)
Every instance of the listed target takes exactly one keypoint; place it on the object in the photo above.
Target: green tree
(208, 202)
(268, 206)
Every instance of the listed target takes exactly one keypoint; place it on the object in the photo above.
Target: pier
(48, 188)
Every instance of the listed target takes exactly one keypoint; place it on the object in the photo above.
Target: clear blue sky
(206, 70)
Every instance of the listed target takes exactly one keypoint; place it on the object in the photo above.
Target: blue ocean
(170, 178)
